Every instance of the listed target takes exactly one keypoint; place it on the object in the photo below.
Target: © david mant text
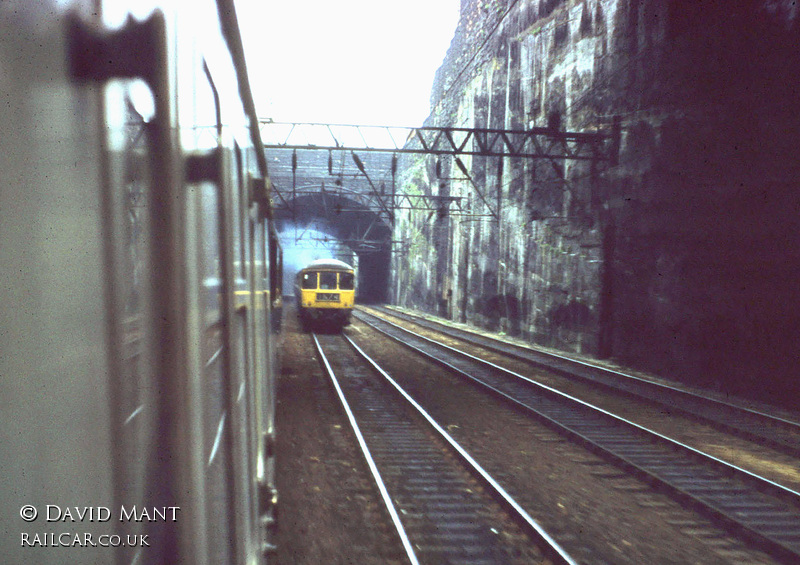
(56, 513)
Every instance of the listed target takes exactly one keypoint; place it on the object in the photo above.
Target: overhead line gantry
(283, 141)
(533, 143)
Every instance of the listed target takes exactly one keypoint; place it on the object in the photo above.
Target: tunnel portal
(352, 225)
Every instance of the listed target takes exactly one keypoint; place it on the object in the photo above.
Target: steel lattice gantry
(347, 173)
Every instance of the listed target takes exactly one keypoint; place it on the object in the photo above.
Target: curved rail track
(751, 507)
(440, 515)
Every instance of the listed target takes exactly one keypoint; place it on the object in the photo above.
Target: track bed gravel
(330, 513)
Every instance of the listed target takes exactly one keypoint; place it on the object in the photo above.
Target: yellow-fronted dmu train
(325, 292)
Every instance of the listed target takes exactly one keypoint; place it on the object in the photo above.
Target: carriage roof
(333, 264)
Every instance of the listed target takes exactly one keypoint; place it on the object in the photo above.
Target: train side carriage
(141, 272)
(325, 291)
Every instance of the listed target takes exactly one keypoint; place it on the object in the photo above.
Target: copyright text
(55, 513)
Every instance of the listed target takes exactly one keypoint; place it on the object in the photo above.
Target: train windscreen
(309, 281)
(327, 281)
(346, 281)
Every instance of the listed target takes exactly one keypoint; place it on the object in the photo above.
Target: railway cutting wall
(681, 259)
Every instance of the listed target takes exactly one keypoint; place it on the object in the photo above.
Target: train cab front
(325, 298)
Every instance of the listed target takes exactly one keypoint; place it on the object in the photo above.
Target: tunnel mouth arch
(347, 220)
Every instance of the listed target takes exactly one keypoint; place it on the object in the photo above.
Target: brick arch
(347, 220)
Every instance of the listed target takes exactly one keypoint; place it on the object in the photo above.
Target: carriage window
(327, 281)
(309, 280)
(346, 281)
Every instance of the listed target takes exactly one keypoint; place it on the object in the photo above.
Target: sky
(345, 61)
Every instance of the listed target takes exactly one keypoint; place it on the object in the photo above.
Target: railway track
(752, 507)
(445, 507)
(777, 432)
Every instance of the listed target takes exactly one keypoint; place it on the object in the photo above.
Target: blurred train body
(141, 276)
(325, 294)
